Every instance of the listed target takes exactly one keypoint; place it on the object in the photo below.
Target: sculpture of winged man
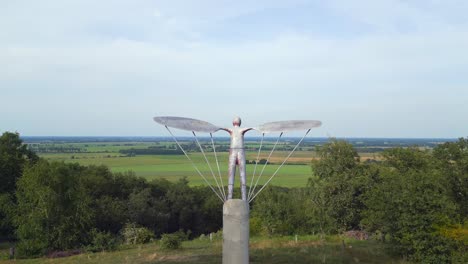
(237, 148)
(237, 156)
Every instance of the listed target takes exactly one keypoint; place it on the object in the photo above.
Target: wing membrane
(291, 125)
(183, 123)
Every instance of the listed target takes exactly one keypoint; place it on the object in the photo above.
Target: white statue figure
(237, 157)
(237, 149)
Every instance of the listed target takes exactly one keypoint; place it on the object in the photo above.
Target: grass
(295, 173)
(308, 249)
(174, 167)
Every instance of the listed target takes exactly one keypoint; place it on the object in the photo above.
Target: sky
(364, 68)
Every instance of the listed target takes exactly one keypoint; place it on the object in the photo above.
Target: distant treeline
(308, 142)
(156, 150)
(56, 149)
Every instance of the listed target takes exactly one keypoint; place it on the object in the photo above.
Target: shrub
(183, 236)
(171, 241)
(4, 256)
(136, 235)
(102, 241)
(256, 227)
(31, 248)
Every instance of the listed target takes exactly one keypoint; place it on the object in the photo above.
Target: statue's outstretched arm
(224, 129)
(247, 129)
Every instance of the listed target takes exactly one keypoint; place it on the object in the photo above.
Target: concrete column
(236, 232)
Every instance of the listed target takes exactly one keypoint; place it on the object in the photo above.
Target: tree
(342, 180)
(53, 208)
(406, 159)
(183, 206)
(148, 211)
(14, 155)
(452, 158)
(321, 212)
(7, 212)
(410, 203)
(336, 158)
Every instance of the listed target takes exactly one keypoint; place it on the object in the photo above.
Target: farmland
(153, 158)
(173, 167)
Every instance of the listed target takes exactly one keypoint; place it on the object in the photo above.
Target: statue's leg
(231, 172)
(241, 161)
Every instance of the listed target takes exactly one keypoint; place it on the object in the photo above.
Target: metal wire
(286, 159)
(193, 164)
(208, 163)
(256, 163)
(217, 164)
(261, 173)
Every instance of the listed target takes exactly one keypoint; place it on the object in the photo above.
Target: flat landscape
(140, 156)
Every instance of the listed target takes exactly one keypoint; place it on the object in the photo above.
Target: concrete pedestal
(235, 232)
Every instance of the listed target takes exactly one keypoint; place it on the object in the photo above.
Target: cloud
(105, 68)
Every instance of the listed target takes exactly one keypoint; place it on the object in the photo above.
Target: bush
(4, 256)
(171, 241)
(136, 235)
(256, 227)
(183, 236)
(102, 241)
(30, 248)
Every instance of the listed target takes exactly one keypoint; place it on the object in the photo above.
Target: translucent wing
(291, 125)
(183, 123)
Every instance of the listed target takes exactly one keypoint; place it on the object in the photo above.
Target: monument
(235, 211)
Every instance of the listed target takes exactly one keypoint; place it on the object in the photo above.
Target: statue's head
(237, 121)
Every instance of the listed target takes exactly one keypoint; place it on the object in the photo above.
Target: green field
(173, 167)
(295, 173)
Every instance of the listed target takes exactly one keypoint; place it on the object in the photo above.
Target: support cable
(264, 166)
(193, 164)
(217, 164)
(256, 163)
(286, 159)
(208, 163)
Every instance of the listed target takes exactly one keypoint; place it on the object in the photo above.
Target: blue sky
(364, 68)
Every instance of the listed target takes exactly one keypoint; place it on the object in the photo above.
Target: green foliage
(336, 158)
(321, 213)
(102, 241)
(283, 211)
(132, 234)
(406, 159)
(255, 225)
(7, 213)
(146, 210)
(53, 208)
(452, 159)
(111, 213)
(14, 155)
(339, 184)
(170, 241)
(409, 204)
(184, 206)
(4, 256)
(35, 246)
